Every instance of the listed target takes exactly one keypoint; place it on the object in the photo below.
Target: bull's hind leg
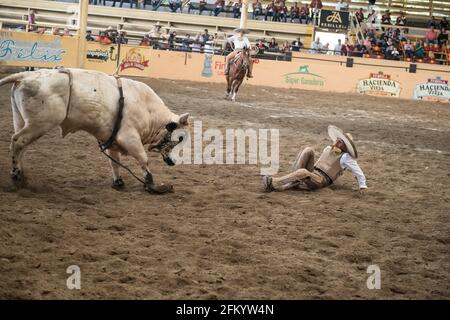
(117, 179)
(18, 121)
(19, 141)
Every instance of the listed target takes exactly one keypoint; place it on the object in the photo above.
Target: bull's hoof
(118, 184)
(158, 189)
(18, 178)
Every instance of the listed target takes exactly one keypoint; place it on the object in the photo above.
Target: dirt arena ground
(219, 236)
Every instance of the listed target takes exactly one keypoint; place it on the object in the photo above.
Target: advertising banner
(37, 50)
(101, 57)
(338, 20)
(135, 61)
(436, 89)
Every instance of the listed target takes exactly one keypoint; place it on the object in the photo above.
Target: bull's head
(165, 143)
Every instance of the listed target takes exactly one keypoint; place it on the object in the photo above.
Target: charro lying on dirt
(123, 114)
(334, 160)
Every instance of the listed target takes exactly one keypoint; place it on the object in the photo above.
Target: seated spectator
(359, 15)
(209, 45)
(344, 48)
(89, 36)
(304, 14)
(32, 21)
(111, 34)
(282, 12)
(372, 18)
(419, 50)
(185, 43)
(261, 46)
(444, 23)
(103, 38)
(218, 7)
(403, 35)
(121, 38)
(341, 5)
(285, 47)
(57, 31)
(66, 32)
(433, 23)
(316, 6)
(236, 8)
(204, 37)
(145, 41)
(121, 3)
(408, 49)
(171, 40)
(197, 43)
(386, 18)
(156, 4)
(296, 45)
(273, 45)
(316, 46)
(257, 9)
(443, 37)
(270, 10)
(392, 53)
(201, 6)
(295, 12)
(431, 36)
(174, 5)
(338, 48)
(401, 19)
(367, 43)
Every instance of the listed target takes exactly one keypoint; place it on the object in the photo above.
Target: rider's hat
(239, 30)
(335, 133)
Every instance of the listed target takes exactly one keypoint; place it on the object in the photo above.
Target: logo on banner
(102, 55)
(304, 77)
(379, 84)
(436, 90)
(134, 59)
(334, 19)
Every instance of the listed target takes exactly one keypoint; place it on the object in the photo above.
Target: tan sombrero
(239, 30)
(336, 133)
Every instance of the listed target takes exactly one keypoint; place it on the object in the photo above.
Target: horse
(238, 69)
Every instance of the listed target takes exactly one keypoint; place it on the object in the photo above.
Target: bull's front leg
(132, 143)
(117, 183)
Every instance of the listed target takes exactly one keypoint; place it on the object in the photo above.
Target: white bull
(44, 99)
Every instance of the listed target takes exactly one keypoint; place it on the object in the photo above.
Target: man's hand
(362, 191)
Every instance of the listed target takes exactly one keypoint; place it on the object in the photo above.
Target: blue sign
(34, 51)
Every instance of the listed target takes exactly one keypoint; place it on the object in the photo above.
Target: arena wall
(305, 71)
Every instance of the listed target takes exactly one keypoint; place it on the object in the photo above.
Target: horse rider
(240, 42)
(335, 159)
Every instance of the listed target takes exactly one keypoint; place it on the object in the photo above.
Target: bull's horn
(184, 118)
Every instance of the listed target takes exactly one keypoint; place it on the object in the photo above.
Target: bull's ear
(171, 126)
(184, 119)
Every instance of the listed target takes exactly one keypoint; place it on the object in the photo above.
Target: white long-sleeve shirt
(347, 162)
(239, 43)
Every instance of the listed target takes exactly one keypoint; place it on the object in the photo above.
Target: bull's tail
(12, 78)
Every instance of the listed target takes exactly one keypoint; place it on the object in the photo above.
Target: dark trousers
(174, 6)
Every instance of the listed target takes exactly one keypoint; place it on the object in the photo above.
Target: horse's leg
(236, 88)
(227, 93)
